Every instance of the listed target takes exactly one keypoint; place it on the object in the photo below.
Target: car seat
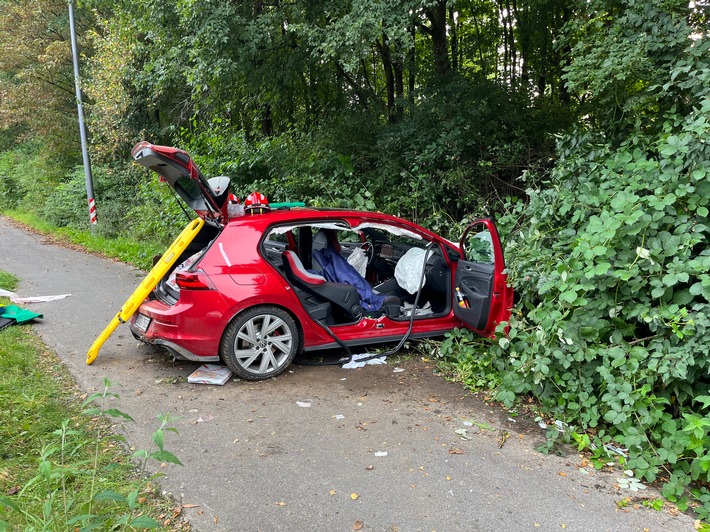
(343, 296)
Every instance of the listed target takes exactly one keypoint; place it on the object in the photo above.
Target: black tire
(260, 343)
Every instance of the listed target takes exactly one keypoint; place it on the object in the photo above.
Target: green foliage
(475, 369)
(27, 176)
(115, 189)
(611, 261)
(64, 492)
(57, 459)
(8, 281)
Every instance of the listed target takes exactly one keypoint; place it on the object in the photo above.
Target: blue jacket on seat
(337, 270)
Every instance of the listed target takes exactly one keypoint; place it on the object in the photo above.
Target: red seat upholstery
(298, 271)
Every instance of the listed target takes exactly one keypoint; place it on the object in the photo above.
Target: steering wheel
(369, 249)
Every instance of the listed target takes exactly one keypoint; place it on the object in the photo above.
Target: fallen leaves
(354, 496)
(454, 450)
(357, 525)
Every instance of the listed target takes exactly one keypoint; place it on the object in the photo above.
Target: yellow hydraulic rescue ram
(146, 287)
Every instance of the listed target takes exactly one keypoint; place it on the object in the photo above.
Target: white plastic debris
(463, 433)
(30, 299)
(339, 416)
(37, 299)
(631, 484)
(355, 362)
(381, 453)
(561, 425)
(303, 404)
(618, 450)
(398, 370)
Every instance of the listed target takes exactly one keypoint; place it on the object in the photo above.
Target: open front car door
(482, 298)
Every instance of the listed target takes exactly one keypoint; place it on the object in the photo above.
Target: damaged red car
(262, 283)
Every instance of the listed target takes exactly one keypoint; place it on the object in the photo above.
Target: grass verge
(61, 466)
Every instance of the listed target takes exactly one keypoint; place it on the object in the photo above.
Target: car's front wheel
(260, 343)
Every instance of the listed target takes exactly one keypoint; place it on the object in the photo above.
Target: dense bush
(612, 263)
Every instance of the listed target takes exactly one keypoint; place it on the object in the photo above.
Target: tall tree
(36, 76)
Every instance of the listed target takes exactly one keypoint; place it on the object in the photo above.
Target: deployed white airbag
(408, 271)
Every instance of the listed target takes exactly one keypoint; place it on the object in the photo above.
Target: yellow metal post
(146, 287)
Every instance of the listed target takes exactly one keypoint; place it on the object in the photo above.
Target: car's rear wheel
(260, 343)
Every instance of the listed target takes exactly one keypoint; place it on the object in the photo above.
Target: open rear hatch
(208, 198)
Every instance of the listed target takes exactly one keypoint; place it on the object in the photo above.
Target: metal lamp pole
(82, 127)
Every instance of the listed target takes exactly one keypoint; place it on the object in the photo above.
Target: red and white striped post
(92, 211)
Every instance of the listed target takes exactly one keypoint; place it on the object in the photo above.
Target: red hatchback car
(254, 290)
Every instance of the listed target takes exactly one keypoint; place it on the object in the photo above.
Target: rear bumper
(182, 329)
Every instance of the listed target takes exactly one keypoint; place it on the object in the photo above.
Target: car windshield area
(388, 265)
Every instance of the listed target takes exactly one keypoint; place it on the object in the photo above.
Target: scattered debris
(355, 362)
(12, 315)
(618, 450)
(381, 453)
(398, 370)
(463, 433)
(210, 374)
(354, 496)
(303, 404)
(561, 425)
(339, 416)
(37, 299)
(631, 484)
(205, 419)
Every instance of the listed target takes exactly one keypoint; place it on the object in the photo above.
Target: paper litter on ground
(32, 299)
(37, 299)
(210, 374)
(355, 362)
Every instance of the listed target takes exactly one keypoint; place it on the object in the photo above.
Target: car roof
(304, 215)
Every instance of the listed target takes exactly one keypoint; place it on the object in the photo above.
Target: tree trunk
(267, 120)
(386, 56)
(437, 17)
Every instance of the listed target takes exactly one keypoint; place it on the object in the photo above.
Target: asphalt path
(376, 450)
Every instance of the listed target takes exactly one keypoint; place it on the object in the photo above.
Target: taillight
(191, 281)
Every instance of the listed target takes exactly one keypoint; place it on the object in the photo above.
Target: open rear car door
(482, 297)
(208, 198)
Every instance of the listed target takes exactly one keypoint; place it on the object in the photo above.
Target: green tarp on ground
(11, 314)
